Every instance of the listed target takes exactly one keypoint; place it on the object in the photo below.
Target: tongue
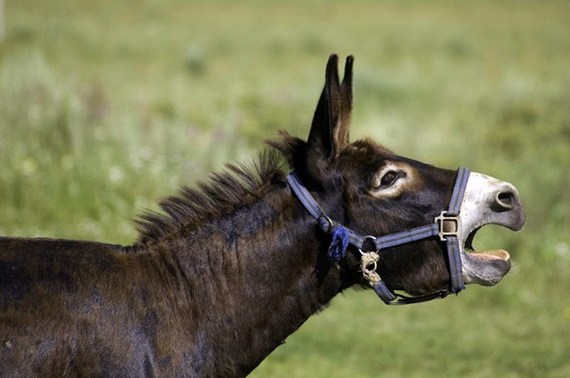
(495, 254)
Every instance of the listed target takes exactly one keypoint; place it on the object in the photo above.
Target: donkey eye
(385, 181)
(389, 178)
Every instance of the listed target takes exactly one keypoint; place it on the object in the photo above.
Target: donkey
(228, 270)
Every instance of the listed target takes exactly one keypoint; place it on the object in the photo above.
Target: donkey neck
(250, 279)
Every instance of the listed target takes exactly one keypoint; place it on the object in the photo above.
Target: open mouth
(484, 267)
(494, 254)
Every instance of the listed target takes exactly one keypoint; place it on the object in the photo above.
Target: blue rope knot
(339, 243)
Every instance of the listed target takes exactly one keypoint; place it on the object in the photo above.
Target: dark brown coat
(228, 271)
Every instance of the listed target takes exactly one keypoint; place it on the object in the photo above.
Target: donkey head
(373, 191)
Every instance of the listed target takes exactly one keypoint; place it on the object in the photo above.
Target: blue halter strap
(445, 226)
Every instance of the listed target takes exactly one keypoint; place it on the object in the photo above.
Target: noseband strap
(445, 226)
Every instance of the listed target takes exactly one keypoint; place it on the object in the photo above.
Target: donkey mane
(238, 185)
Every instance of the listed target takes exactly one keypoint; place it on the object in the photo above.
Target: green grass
(107, 106)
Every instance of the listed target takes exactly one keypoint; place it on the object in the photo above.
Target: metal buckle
(369, 239)
(447, 222)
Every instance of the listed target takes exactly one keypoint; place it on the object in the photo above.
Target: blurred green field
(106, 106)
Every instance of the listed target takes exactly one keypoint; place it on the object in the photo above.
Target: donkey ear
(329, 129)
(346, 102)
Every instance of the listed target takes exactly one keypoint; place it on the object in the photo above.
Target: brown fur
(226, 272)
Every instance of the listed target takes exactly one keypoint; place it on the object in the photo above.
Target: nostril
(506, 197)
(505, 200)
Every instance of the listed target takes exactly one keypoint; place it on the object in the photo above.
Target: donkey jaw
(487, 201)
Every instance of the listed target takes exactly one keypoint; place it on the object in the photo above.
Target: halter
(445, 226)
